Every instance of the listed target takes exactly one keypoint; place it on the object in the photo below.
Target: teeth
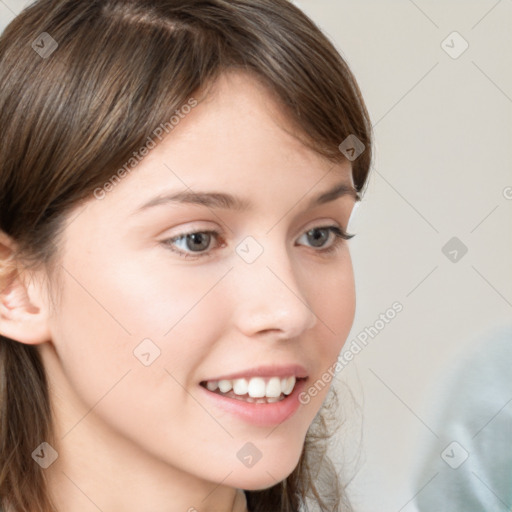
(225, 385)
(256, 388)
(212, 385)
(240, 387)
(273, 388)
(287, 385)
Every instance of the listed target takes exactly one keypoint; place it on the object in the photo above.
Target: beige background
(442, 167)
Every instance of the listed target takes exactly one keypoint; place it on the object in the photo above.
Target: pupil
(320, 236)
(202, 239)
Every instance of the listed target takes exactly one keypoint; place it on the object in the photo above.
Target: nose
(269, 297)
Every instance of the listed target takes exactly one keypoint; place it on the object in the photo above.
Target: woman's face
(147, 316)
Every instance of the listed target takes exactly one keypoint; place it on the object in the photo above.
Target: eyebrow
(228, 201)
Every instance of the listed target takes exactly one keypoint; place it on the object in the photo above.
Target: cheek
(129, 336)
(334, 303)
(113, 319)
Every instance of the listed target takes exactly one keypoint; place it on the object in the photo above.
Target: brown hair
(71, 117)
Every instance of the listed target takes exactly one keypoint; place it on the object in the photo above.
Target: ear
(23, 307)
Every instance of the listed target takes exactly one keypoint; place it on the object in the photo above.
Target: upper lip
(296, 370)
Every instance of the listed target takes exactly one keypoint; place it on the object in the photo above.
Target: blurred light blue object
(469, 468)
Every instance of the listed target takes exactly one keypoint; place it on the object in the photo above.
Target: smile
(254, 390)
(264, 395)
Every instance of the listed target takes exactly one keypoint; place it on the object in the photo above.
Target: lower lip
(262, 415)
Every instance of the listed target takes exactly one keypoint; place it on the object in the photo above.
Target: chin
(262, 476)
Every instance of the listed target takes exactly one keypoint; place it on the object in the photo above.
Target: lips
(296, 370)
(263, 395)
(262, 412)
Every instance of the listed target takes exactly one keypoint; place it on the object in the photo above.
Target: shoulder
(470, 416)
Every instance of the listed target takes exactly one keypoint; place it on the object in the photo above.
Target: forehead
(237, 133)
(236, 140)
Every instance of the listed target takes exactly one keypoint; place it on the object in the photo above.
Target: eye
(197, 244)
(319, 236)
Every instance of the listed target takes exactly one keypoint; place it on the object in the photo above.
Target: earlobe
(23, 312)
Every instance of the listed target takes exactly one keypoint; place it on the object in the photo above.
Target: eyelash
(336, 230)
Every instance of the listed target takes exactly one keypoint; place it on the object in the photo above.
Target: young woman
(176, 180)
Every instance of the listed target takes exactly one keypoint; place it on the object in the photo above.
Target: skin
(135, 437)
